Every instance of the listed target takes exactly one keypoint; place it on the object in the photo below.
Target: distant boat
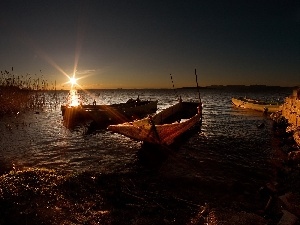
(104, 115)
(246, 103)
(164, 127)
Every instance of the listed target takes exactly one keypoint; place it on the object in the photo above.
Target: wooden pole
(197, 85)
(173, 86)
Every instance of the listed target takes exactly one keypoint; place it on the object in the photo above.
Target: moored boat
(130, 107)
(103, 115)
(164, 127)
(246, 103)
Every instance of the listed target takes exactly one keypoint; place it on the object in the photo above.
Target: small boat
(128, 108)
(257, 105)
(164, 127)
(103, 115)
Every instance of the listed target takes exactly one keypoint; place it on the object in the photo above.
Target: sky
(138, 44)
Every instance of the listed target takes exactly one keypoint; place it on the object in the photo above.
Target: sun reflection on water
(73, 98)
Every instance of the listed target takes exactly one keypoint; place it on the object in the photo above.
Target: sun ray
(80, 36)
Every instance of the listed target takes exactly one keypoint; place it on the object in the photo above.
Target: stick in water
(197, 85)
(173, 86)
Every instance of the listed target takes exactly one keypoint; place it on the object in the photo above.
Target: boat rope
(153, 127)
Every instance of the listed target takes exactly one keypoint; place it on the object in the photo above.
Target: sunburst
(73, 81)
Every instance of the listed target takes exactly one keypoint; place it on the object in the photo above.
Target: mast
(176, 95)
(197, 85)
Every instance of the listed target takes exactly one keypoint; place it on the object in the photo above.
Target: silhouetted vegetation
(19, 93)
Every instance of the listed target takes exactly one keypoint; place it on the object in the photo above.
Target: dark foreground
(41, 196)
(35, 196)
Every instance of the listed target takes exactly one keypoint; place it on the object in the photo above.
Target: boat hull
(160, 129)
(255, 105)
(104, 115)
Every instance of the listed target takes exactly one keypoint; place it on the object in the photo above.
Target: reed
(19, 93)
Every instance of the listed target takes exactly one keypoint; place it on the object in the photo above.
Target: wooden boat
(257, 105)
(164, 127)
(103, 115)
(129, 108)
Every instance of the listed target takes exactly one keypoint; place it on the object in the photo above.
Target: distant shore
(222, 87)
(242, 87)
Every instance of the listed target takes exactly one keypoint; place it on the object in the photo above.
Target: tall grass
(19, 93)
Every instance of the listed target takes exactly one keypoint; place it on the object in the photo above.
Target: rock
(291, 202)
(287, 218)
(294, 156)
(296, 137)
(230, 217)
(291, 128)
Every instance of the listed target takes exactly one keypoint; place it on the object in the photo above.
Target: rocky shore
(285, 191)
(291, 112)
(289, 121)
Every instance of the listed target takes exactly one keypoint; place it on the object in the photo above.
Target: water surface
(206, 164)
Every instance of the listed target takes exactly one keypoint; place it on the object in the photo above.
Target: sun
(73, 81)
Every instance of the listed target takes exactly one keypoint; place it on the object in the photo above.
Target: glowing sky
(138, 44)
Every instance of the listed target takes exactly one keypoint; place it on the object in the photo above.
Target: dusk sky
(138, 44)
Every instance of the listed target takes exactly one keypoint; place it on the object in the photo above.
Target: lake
(104, 177)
